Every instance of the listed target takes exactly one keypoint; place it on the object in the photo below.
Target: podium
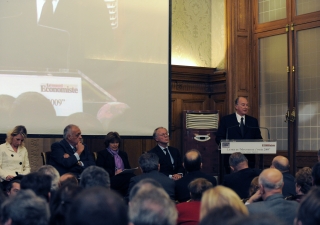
(249, 146)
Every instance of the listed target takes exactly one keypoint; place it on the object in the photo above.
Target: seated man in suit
(282, 163)
(271, 183)
(169, 157)
(69, 154)
(242, 175)
(192, 162)
(316, 174)
(149, 165)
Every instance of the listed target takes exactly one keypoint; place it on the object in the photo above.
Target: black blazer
(106, 160)
(65, 165)
(182, 191)
(165, 166)
(230, 124)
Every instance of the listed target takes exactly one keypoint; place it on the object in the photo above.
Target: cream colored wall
(198, 33)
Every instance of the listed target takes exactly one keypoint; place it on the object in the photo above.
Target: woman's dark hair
(304, 179)
(112, 137)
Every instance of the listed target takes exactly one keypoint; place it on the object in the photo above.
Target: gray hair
(154, 135)
(67, 130)
(152, 206)
(94, 176)
(25, 209)
(236, 158)
(53, 173)
(269, 185)
(149, 162)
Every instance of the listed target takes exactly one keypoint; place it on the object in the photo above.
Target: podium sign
(248, 147)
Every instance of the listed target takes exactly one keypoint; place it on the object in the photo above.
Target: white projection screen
(100, 64)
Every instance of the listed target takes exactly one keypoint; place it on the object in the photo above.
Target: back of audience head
(254, 186)
(192, 160)
(68, 178)
(53, 173)
(143, 183)
(13, 187)
(220, 215)
(221, 196)
(256, 219)
(152, 206)
(237, 161)
(316, 174)
(309, 208)
(303, 180)
(61, 202)
(149, 162)
(94, 176)
(39, 183)
(25, 209)
(281, 163)
(197, 187)
(271, 182)
(97, 206)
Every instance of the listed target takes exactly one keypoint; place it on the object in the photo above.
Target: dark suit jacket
(65, 165)
(234, 132)
(289, 186)
(106, 160)
(282, 209)
(167, 184)
(182, 191)
(165, 166)
(240, 181)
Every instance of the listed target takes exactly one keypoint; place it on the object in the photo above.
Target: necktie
(242, 127)
(46, 13)
(168, 158)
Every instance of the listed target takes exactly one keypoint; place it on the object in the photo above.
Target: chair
(45, 157)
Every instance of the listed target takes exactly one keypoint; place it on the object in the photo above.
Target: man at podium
(239, 126)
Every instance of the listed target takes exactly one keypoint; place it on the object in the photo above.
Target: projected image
(94, 63)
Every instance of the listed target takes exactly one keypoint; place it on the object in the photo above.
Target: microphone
(261, 128)
(230, 128)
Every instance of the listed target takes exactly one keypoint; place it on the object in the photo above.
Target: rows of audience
(75, 191)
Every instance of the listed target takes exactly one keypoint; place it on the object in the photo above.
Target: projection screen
(100, 64)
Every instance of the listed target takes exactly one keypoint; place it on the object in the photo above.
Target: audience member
(149, 165)
(97, 206)
(13, 188)
(39, 183)
(309, 208)
(94, 176)
(69, 154)
(240, 178)
(220, 196)
(68, 178)
(114, 162)
(221, 215)
(53, 173)
(192, 163)
(303, 184)
(257, 219)
(14, 156)
(61, 202)
(282, 163)
(25, 209)
(169, 157)
(271, 183)
(189, 212)
(254, 187)
(152, 206)
(316, 174)
(148, 182)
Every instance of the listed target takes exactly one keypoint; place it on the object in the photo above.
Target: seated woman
(221, 196)
(14, 156)
(303, 184)
(114, 162)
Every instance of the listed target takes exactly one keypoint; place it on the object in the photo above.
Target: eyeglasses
(164, 134)
(244, 105)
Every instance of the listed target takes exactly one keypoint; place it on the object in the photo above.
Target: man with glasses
(239, 126)
(169, 157)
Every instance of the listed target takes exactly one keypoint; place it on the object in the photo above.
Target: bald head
(192, 160)
(281, 163)
(271, 181)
